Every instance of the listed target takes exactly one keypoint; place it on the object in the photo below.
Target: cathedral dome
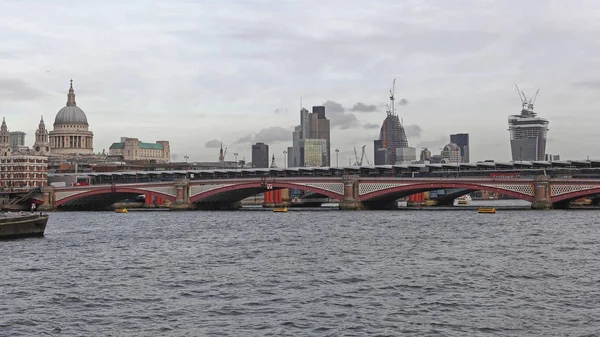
(71, 113)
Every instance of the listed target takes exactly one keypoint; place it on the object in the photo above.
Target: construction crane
(527, 103)
(392, 98)
(363, 156)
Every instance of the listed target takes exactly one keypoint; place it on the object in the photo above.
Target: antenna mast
(392, 98)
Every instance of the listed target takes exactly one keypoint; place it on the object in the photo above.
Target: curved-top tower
(70, 134)
(527, 132)
(391, 136)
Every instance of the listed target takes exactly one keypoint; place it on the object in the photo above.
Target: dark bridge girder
(386, 199)
(96, 202)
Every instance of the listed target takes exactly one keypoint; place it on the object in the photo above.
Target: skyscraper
(391, 136)
(314, 126)
(527, 132)
(462, 140)
(260, 155)
(17, 139)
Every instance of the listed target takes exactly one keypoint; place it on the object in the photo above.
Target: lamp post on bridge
(285, 162)
(337, 165)
(236, 162)
(186, 158)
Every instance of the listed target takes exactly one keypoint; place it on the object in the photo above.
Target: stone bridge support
(182, 197)
(542, 193)
(351, 193)
(48, 199)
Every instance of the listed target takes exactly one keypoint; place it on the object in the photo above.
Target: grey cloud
(339, 117)
(403, 101)
(245, 140)
(333, 107)
(587, 84)
(213, 144)
(370, 126)
(362, 107)
(280, 110)
(413, 131)
(435, 144)
(273, 134)
(15, 89)
(269, 135)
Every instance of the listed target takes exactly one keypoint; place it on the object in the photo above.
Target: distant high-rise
(527, 132)
(17, 139)
(314, 126)
(320, 128)
(260, 155)
(391, 136)
(319, 110)
(462, 140)
(451, 154)
(425, 155)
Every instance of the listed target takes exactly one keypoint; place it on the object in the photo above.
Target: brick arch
(109, 190)
(575, 195)
(260, 186)
(424, 187)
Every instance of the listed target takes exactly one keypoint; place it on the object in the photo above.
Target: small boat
(121, 210)
(22, 224)
(463, 200)
(487, 210)
(280, 209)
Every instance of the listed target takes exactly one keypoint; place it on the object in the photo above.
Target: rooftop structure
(528, 132)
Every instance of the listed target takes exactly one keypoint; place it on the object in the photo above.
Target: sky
(198, 73)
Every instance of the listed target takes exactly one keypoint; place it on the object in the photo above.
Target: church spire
(71, 96)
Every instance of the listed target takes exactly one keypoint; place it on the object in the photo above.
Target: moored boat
(121, 210)
(14, 225)
(463, 200)
(491, 210)
(280, 209)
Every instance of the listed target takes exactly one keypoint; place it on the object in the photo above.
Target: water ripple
(415, 273)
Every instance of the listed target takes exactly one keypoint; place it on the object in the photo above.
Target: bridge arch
(397, 192)
(101, 198)
(567, 197)
(240, 191)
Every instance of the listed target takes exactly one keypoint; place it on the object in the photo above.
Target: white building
(406, 155)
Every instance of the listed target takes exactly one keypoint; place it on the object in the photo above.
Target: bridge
(352, 190)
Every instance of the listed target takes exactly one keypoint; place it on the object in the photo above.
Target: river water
(302, 273)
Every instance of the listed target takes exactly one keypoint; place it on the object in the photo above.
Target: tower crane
(363, 156)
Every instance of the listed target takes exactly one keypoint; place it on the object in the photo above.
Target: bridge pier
(217, 206)
(47, 199)
(182, 198)
(351, 193)
(541, 193)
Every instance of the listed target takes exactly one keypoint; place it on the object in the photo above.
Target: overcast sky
(200, 72)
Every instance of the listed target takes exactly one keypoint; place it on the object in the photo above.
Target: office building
(406, 155)
(17, 139)
(260, 155)
(391, 136)
(315, 152)
(451, 154)
(462, 140)
(313, 126)
(23, 172)
(528, 132)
